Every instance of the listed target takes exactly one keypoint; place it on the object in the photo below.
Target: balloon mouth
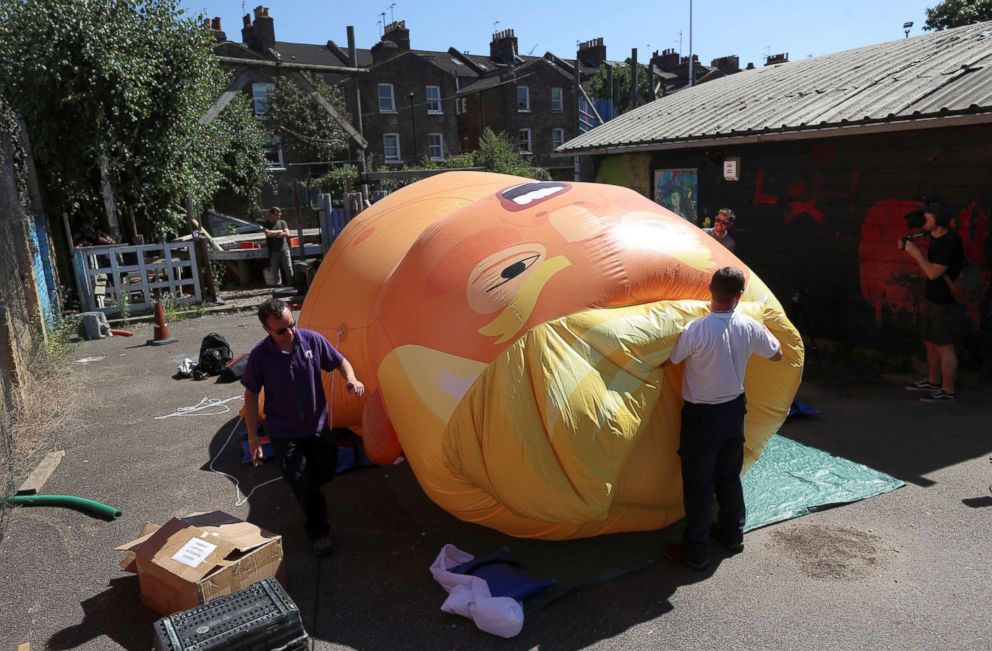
(569, 401)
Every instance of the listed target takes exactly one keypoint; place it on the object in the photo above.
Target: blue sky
(750, 29)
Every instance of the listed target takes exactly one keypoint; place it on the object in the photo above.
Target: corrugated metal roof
(945, 73)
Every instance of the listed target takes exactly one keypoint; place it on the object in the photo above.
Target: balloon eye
(512, 271)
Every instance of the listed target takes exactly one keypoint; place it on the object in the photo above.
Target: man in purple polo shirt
(287, 364)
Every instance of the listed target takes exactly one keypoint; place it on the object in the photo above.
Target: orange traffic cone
(161, 329)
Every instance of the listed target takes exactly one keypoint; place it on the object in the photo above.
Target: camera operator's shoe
(923, 385)
(939, 396)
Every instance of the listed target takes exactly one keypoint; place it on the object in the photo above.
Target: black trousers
(307, 464)
(712, 450)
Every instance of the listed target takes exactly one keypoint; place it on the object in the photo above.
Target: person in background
(288, 364)
(715, 349)
(721, 228)
(943, 319)
(277, 241)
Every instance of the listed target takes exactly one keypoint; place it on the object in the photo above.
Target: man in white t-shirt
(715, 349)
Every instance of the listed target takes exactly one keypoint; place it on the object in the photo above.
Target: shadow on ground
(386, 535)
(876, 422)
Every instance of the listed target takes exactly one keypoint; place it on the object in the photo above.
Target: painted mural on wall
(628, 171)
(890, 280)
(678, 190)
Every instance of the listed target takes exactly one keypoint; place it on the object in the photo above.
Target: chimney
(728, 65)
(592, 53)
(398, 34)
(667, 61)
(384, 50)
(213, 26)
(262, 35)
(503, 47)
(777, 58)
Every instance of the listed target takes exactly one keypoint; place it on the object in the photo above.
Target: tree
(600, 88)
(956, 13)
(301, 124)
(497, 153)
(122, 84)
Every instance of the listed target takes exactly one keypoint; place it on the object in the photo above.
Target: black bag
(233, 371)
(215, 354)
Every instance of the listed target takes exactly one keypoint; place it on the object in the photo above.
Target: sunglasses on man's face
(725, 222)
(282, 331)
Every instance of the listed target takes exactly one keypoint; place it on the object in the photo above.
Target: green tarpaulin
(791, 479)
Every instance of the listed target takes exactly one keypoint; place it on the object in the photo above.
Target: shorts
(943, 323)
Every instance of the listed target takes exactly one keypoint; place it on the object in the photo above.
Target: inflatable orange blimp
(510, 334)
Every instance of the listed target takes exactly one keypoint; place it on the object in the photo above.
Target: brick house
(259, 46)
(408, 98)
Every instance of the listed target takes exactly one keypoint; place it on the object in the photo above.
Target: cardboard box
(190, 560)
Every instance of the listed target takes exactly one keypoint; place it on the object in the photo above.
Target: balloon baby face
(517, 345)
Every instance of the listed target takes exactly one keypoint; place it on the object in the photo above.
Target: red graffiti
(804, 194)
(760, 198)
(891, 281)
(808, 207)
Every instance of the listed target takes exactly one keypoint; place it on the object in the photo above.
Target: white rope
(206, 403)
(238, 500)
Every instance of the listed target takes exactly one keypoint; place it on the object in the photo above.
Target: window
(557, 101)
(434, 100)
(523, 140)
(435, 146)
(260, 98)
(557, 138)
(387, 103)
(523, 98)
(391, 147)
(273, 154)
(461, 105)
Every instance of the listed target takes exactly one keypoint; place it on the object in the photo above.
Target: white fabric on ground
(469, 596)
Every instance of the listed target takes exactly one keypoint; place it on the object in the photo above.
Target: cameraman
(944, 317)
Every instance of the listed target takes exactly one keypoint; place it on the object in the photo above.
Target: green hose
(92, 506)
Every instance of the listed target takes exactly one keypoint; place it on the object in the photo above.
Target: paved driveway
(906, 570)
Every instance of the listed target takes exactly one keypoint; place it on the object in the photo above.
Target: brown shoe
(323, 547)
(675, 552)
(736, 546)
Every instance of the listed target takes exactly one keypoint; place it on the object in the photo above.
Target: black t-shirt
(276, 243)
(946, 250)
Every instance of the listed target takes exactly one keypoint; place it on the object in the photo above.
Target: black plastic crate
(261, 617)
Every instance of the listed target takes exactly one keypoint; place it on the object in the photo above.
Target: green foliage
(62, 338)
(124, 306)
(957, 13)
(244, 167)
(621, 85)
(175, 311)
(218, 269)
(338, 181)
(124, 82)
(497, 153)
(302, 124)
(9, 130)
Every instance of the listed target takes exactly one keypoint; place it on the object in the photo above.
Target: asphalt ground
(906, 570)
